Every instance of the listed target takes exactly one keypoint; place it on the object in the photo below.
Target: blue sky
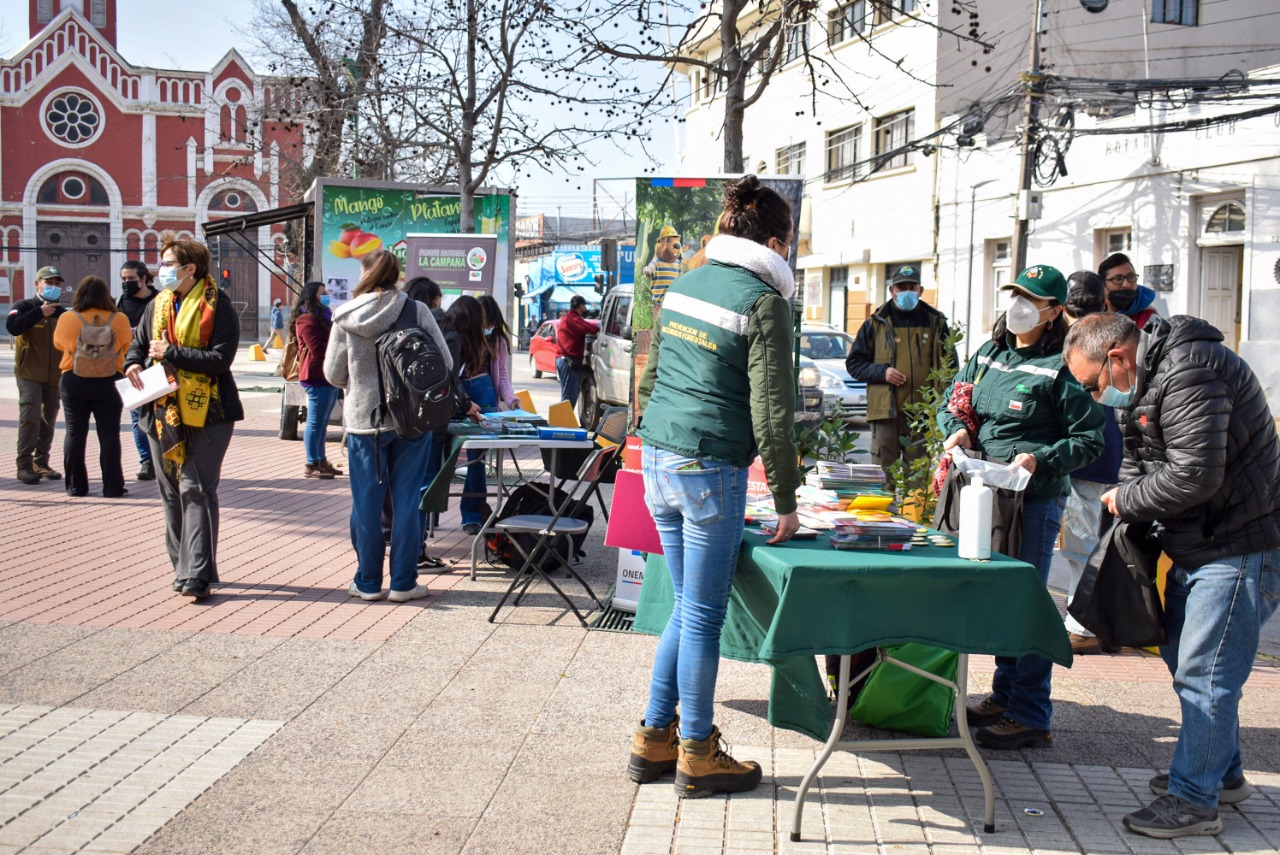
(195, 34)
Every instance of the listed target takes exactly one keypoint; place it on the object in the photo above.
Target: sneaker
(28, 476)
(1084, 645)
(704, 768)
(314, 471)
(472, 528)
(985, 713)
(415, 593)
(372, 598)
(1007, 733)
(427, 561)
(45, 472)
(1230, 794)
(329, 467)
(147, 471)
(1169, 817)
(654, 751)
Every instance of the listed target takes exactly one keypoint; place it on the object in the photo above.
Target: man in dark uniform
(37, 368)
(894, 352)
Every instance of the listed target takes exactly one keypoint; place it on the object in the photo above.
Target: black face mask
(130, 286)
(1122, 298)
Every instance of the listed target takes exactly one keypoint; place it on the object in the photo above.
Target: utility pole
(1030, 114)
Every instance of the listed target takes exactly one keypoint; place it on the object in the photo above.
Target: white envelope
(156, 383)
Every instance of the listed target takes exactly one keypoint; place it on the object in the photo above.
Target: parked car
(607, 380)
(823, 351)
(542, 350)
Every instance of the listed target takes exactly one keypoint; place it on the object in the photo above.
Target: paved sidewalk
(283, 716)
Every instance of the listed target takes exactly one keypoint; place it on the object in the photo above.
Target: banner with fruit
(354, 219)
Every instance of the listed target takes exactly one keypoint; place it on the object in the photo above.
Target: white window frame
(1185, 13)
(790, 159)
(892, 132)
(797, 36)
(846, 21)
(850, 138)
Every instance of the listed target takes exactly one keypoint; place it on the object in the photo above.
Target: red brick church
(98, 157)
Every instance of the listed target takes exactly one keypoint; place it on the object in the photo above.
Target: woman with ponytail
(717, 389)
(194, 330)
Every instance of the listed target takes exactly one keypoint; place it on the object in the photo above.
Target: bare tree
(736, 46)
(493, 82)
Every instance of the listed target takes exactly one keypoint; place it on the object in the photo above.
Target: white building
(911, 78)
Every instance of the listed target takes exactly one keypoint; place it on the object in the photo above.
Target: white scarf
(755, 257)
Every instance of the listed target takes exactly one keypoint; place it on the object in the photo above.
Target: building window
(846, 22)
(72, 118)
(1118, 240)
(797, 41)
(887, 10)
(72, 188)
(1228, 218)
(892, 135)
(842, 154)
(791, 160)
(98, 13)
(44, 11)
(1184, 12)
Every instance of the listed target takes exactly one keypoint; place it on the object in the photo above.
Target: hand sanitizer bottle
(975, 520)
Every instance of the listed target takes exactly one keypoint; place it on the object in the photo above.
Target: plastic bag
(1003, 475)
(897, 699)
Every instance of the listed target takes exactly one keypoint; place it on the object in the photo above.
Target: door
(615, 332)
(77, 249)
(1220, 290)
(240, 267)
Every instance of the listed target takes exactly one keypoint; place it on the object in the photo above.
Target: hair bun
(741, 194)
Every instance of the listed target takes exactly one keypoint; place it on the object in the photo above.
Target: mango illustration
(349, 231)
(363, 244)
(339, 249)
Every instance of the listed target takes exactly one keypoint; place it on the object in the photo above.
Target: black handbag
(1116, 598)
(1006, 510)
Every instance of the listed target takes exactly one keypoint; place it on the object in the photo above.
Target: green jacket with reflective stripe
(1028, 402)
(719, 383)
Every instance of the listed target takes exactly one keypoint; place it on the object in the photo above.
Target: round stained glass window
(72, 118)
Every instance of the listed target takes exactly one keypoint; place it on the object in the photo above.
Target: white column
(191, 173)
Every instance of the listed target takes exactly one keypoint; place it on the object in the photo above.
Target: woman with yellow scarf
(193, 329)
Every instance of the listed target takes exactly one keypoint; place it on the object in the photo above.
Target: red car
(542, 350)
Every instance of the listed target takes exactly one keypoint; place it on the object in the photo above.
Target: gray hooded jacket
(351, 362)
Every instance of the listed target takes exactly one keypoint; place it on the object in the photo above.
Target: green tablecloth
(794, 601)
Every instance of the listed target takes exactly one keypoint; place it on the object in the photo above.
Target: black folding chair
(551, 531)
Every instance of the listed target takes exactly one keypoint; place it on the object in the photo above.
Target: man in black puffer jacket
(1202, 461)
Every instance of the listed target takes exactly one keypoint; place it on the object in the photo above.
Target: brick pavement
(349, 727)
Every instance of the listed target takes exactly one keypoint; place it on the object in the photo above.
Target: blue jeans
(379, 462)
(1213, 614)
(139, 438)
(320, 401)
(1023, 684)
(472, 507)
(699, 515)
(570, 380)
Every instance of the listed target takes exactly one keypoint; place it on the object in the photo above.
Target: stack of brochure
(873, 535)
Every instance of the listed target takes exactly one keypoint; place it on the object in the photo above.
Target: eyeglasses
(1092, 388)
(165, 264)
(1121, 278)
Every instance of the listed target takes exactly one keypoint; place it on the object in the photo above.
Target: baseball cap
(1041, 280)
(48, 273)
(905, 273)
(277, 302)
(577, 301)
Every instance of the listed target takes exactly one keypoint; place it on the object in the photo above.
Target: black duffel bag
(1116, 598)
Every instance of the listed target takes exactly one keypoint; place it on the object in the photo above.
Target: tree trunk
(735, 88)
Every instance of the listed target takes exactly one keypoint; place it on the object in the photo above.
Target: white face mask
(1023, 316)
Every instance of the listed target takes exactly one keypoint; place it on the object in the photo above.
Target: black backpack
(413, 377)
(531, 499)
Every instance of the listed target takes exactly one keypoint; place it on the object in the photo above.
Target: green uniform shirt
(1028, 402)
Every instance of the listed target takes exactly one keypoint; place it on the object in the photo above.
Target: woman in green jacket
(718, 386)
(1032, 413)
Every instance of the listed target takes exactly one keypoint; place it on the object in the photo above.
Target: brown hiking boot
(985, 713)
(705, 768)
(653, 751)
(314, 471)
(329, 467)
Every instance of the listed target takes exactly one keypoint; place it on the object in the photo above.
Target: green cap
(48, 273)
(1041, 281)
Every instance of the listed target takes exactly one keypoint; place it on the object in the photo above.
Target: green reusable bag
(896, 699)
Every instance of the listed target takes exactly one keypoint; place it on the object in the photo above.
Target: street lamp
(973, 198)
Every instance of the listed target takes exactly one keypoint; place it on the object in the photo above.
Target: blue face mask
(168, 278)
(907, 300)
(324, 300)
(488, 330)
(51, 293)
(1113, 397)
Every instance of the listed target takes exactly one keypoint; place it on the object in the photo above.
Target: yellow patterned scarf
(190, 326)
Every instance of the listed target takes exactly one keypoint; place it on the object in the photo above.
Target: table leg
(493, 517)
(837, 727)
(962, 725)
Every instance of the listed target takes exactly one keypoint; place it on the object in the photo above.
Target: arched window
(233, 201)
(1227, 218)
(72, 188)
